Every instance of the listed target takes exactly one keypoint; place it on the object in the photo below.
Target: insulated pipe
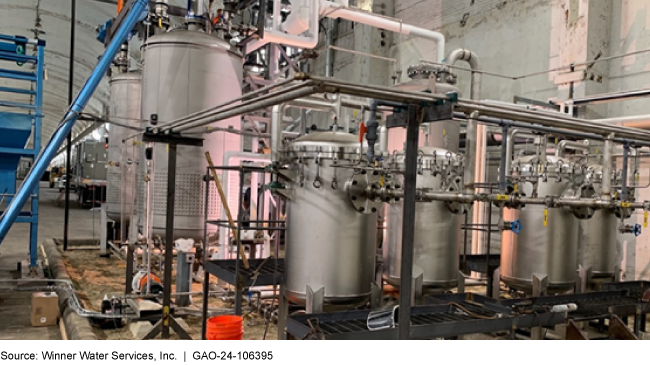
(560, 151)
(607, 168)
(333, 10)
(43, 160)
(280, 36)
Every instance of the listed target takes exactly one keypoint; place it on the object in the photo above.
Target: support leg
(540, 285)
(314, 302)
(283, 313)
(103, 232)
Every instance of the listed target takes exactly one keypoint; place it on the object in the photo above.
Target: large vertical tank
(124, 108)
(186, 72)
(597, 240)
(329, 244)
(436, 227)
(540, 250)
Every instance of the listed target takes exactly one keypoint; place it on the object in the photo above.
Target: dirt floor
(96, 276)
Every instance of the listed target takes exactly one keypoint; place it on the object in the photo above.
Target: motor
(140, 282)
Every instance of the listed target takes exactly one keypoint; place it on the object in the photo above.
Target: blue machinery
(20, 125)
(127, 20)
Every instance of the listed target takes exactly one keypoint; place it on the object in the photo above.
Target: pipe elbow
(462, 54)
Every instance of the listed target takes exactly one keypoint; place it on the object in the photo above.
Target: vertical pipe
(624, 173)
(68, 147)
(329, 53)
(43, 160)
(504, 158)
(408, 224)
(169, 238)
(240, 212)
(607, 168)
(206, 274)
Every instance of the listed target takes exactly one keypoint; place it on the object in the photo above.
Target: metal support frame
(408, 223)
(167, 321)
(30, 120)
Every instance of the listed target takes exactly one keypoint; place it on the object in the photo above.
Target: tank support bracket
(314, 303)
(540, 285)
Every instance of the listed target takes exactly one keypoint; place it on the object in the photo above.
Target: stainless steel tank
(124, 108)
(544, 251)
(186, 72)
(436, 228)
(597, 240)
(329, 244)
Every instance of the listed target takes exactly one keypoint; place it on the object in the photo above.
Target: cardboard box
(45, 309)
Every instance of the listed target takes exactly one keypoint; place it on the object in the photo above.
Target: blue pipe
(42, 162)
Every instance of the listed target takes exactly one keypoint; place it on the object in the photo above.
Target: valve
(515, 226)
(628, 228)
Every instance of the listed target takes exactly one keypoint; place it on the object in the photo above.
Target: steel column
(68, 147)
(408, 223)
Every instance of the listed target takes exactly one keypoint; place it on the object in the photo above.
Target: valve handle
(637, 230)
(362, 131)
(516, 226)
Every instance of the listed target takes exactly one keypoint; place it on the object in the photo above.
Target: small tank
(540, 250)
(124, 108)
(597, 240)
(330, 244)
(436, 227)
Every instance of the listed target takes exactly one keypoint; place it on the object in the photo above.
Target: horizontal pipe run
(277, 98)
(547, 119)
(217, 107)
(511, 199)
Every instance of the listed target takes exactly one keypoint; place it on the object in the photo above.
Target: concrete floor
(15, 307)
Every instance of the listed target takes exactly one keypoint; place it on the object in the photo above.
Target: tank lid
(326, 142)
(187, 37)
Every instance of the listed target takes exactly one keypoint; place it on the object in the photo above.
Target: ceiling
(22, 17)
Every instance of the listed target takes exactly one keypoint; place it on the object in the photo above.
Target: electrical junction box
(45, 309)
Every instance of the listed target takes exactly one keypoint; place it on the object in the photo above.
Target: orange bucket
(225, 328)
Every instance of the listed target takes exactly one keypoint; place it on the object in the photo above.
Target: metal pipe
(624, 172)
(276, 130)
(563, 145)
(546, 119)
(202, 113)
(68, 147)
(43, 160)
(510, 145)
(504, 158)
(329, 53)
(607, 168)
(334, 10)
(634, 121)
(268, 101)
(609, 97)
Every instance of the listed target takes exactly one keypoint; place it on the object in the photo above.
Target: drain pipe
(372, 126)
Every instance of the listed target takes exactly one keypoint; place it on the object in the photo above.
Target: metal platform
(635, 288)
(596, 305)
(268, 273)
(427, 322)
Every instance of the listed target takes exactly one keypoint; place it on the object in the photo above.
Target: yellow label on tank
(645, 219)
(516, 187)
(444, 132)
(545, 217)
(354, 114)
